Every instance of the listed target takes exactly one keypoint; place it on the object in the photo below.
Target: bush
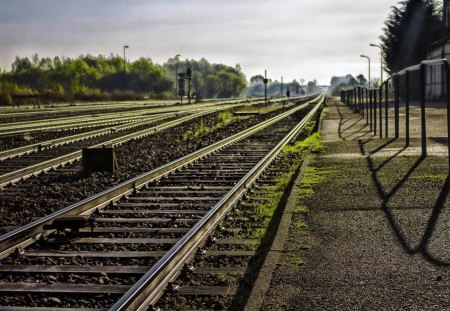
(95, 96)
(54, 96)
(163, 95)
(5, 99)
(126, 95)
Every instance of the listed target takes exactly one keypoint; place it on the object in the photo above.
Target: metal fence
(429, 80)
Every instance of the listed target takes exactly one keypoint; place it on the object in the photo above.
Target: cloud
(309, 38)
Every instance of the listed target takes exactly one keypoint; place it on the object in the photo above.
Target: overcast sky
(309, 39)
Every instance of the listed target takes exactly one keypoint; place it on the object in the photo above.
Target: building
(439, 50)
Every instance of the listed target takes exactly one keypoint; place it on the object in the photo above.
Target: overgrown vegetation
(200, 129)
(296, 155)
(313, 176)
(267, 216)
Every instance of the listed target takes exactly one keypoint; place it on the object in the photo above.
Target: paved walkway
(370, 229)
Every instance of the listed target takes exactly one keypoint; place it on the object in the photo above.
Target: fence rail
(405, 86)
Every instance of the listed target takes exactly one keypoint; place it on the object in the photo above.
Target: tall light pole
(381, 59)
(124, 63)
(368, 58)
(176, 74)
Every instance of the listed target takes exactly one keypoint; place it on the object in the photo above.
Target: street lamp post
(176, 74)
(368, 58)
(381, 59)
(124, 63)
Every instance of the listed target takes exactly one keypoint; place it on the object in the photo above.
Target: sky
(293, 39)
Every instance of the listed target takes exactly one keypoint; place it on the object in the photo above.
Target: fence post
(367, 105)
(447, 97)
(371, 109)
(359, 100)
(352, 96)
(375, 100)
(386, 108)
(381, 111)
(422, 109)
(397, 105)
(349, 99)
(407, 99)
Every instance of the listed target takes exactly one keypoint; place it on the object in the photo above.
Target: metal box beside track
(99, 160)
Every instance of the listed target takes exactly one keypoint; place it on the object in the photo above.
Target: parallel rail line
(181, 193)
(23, 173)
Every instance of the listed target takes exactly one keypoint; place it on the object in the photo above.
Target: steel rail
(12, 128)
(14, 176)
(151, 286)
(28, 126)
(108, 118)
(24, 127)
(27, 234)
(88, 122)
(101, 107)
(11, 153)
(26, 172)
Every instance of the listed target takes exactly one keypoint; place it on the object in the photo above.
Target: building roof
(439, 43)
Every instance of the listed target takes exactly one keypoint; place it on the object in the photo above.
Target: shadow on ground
(386, 195)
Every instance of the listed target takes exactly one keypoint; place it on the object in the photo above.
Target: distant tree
(21, 64)
(361, 79)
(410, 28)
(294, 87)
(101, 77)
(312, 86)
(257, 79)
(210, 80)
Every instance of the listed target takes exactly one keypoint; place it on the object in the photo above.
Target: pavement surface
(369, 222)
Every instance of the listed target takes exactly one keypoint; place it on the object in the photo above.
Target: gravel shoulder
(370, 230)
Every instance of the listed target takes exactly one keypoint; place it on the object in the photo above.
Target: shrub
(5, 99)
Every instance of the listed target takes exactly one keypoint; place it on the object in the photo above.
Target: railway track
(45, 193)
(62, 138)
(33, 120)
(48, 155)
(133, 239)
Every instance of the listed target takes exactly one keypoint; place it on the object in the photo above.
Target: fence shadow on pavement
(349, 131)
(386, 196)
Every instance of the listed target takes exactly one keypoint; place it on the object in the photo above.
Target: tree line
(410, 29)
(408, 33)
(109, 77)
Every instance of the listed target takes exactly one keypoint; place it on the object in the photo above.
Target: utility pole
(265, 86)
(176, 74)
(124, 63)
(281, 86)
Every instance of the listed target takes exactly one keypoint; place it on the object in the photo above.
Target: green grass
(312, 143)
(197, 130)
(301, 209)
(297, 261)
(431, 177)
(300, 225)
(312, 177)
